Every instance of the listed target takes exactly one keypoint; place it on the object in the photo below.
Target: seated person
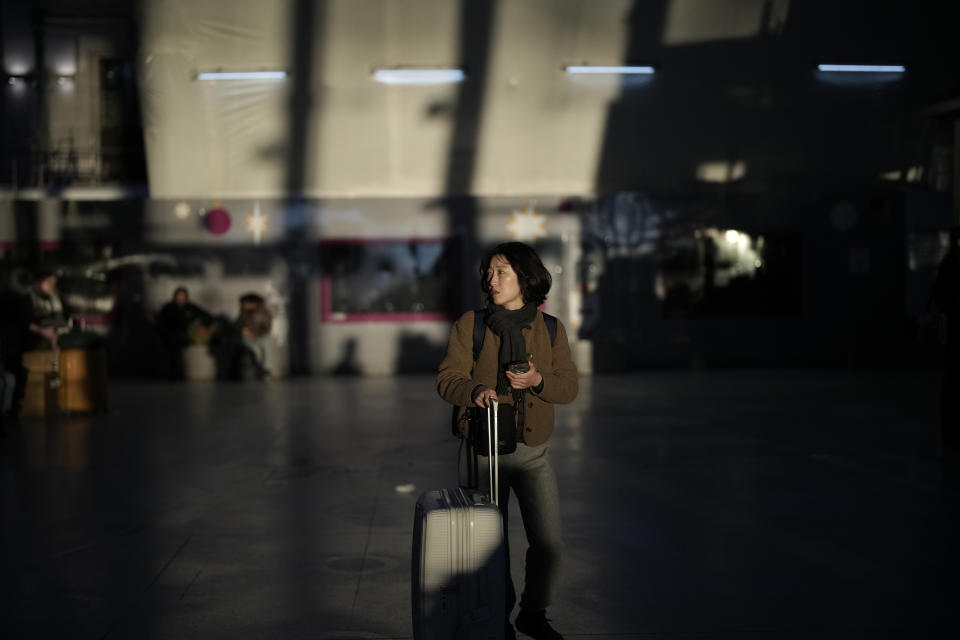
(254, 323)
(46, 318)
(177, 315)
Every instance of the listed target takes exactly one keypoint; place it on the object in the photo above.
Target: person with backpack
(523, 360)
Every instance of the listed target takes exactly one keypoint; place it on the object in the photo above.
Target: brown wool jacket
(457, 377)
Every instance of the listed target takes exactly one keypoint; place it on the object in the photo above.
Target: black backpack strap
(479, 332)
(551, 322)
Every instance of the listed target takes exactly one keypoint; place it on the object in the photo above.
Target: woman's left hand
(531, 378)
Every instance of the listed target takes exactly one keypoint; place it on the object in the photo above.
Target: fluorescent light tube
(618, 70)
(242, 75)
(418, 76)
(863, 68)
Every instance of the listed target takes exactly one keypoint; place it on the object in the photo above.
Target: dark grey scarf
(507, 325)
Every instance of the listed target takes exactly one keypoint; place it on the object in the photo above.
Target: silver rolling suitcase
(458, 572)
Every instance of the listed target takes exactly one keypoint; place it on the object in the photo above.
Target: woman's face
(504, 285)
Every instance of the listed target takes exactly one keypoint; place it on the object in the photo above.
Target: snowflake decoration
(527, 224)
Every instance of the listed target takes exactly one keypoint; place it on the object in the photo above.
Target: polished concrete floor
(752, 504)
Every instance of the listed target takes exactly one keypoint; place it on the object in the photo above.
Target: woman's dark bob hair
(533, 277)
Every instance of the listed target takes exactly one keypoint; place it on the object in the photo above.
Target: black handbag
(475, 426)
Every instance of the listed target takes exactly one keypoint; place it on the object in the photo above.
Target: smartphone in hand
(518, 366)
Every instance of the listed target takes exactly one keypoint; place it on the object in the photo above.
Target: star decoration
(527, 224)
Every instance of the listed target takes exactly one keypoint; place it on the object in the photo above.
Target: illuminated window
(388, 280)
(716, 272)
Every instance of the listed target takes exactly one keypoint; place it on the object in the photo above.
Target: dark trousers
(528, 474)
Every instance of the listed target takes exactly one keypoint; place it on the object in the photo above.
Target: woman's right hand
(484, 397)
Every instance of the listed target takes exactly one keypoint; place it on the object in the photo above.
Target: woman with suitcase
(527, 367)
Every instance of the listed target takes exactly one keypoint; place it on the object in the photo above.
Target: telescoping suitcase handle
(493, 460)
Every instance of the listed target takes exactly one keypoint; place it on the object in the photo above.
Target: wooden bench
(41, 391)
